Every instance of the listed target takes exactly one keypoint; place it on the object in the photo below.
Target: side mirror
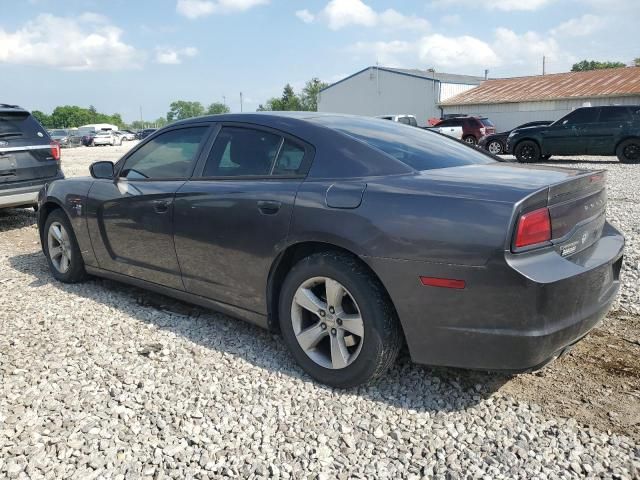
(101, 170)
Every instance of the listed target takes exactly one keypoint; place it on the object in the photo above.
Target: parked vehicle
(28, 157)
(97, 127)
(404, 119)
(107, 137)
(66, 138)
(351, 236)
(454, 132)
(610, 130)
(145, 133)
(87, 139)
(126, 135)
(495, 143)
(473, 128)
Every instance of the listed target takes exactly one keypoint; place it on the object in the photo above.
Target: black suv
(611, 130)
(28, 157)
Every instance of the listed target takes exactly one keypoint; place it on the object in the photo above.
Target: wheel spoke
(56, 232)
(309, 338)
(335, 293)
(64, 262)
(339, 352)
(309, 301)
(55, 252)
(353, 324)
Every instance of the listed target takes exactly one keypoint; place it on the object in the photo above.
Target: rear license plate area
(8, 168)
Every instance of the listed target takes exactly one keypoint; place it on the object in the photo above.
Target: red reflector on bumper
(442, 282)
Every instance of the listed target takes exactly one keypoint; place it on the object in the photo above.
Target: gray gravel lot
(101, 380)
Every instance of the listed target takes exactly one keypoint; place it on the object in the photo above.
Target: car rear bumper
(23, 193)
(515, 316)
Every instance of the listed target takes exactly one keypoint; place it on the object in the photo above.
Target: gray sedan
(351, 236)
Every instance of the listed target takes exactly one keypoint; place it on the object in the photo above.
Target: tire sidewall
(498, 143)
(76, 271)
(359, 285)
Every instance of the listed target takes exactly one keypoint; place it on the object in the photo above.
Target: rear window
(419, 149)
(20, 125)
(486, 122)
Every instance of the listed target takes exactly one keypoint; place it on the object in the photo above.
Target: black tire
(75, 272)
(496, 146)
(382, 337)
(470, 139)
(527, 151)
(628, 151)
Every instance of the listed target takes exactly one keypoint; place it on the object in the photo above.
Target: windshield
(415, 147)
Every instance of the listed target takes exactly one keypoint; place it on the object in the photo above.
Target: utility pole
(224, 100)
(240, 102)
(486, 73)
(544, 65)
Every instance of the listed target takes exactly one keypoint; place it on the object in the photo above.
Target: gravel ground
(101, 380)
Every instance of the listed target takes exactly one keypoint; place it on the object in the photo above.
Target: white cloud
(342, 13)
(453, 52)
(580, 27)
(507, 50)
(83, 42)
(504, 5)
(172, 56)
(305, 15)
(200, 8)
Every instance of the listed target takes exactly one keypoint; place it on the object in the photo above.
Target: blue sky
(123, 55)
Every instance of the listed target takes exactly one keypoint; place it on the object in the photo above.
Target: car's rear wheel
(629, 151)
(527, 151)
(470, 139)
(338, 321)
(495, 147)
(61, 249)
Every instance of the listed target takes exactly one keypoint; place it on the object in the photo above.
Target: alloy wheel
(59, 247)
(632, 152)
(494, 147)
(327, 322)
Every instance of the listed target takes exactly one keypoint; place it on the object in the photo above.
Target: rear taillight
(55, 150)
(483, 130)
(533, 228)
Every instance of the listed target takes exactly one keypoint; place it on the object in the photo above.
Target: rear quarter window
(486, 122)
(21, 125)
(417, 148)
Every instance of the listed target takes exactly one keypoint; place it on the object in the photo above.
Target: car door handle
(269, 207)
(161, 206)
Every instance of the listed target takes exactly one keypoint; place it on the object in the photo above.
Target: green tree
(585, 65)
(288, 102)
(636, 62)
(310, 93)
(43, 118)
(181, 109)
(217, 108)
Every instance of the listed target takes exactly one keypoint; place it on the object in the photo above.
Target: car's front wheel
(470, 140)
(629, 151)
(338, 321)
(527, 151)
(62, 250)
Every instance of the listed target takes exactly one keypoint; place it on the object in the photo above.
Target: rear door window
(614, 114)
(21, 125)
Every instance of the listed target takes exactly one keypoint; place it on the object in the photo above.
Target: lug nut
(333, 331)
(323, 326)
(339, 321)
(332, 310)
(322, 313)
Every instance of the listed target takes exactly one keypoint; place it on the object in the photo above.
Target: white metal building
(388, 91)
(510, 102)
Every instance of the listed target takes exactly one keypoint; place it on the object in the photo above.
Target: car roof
(5, 107)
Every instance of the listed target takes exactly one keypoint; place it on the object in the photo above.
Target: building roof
(425, 74)
(612, 82)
